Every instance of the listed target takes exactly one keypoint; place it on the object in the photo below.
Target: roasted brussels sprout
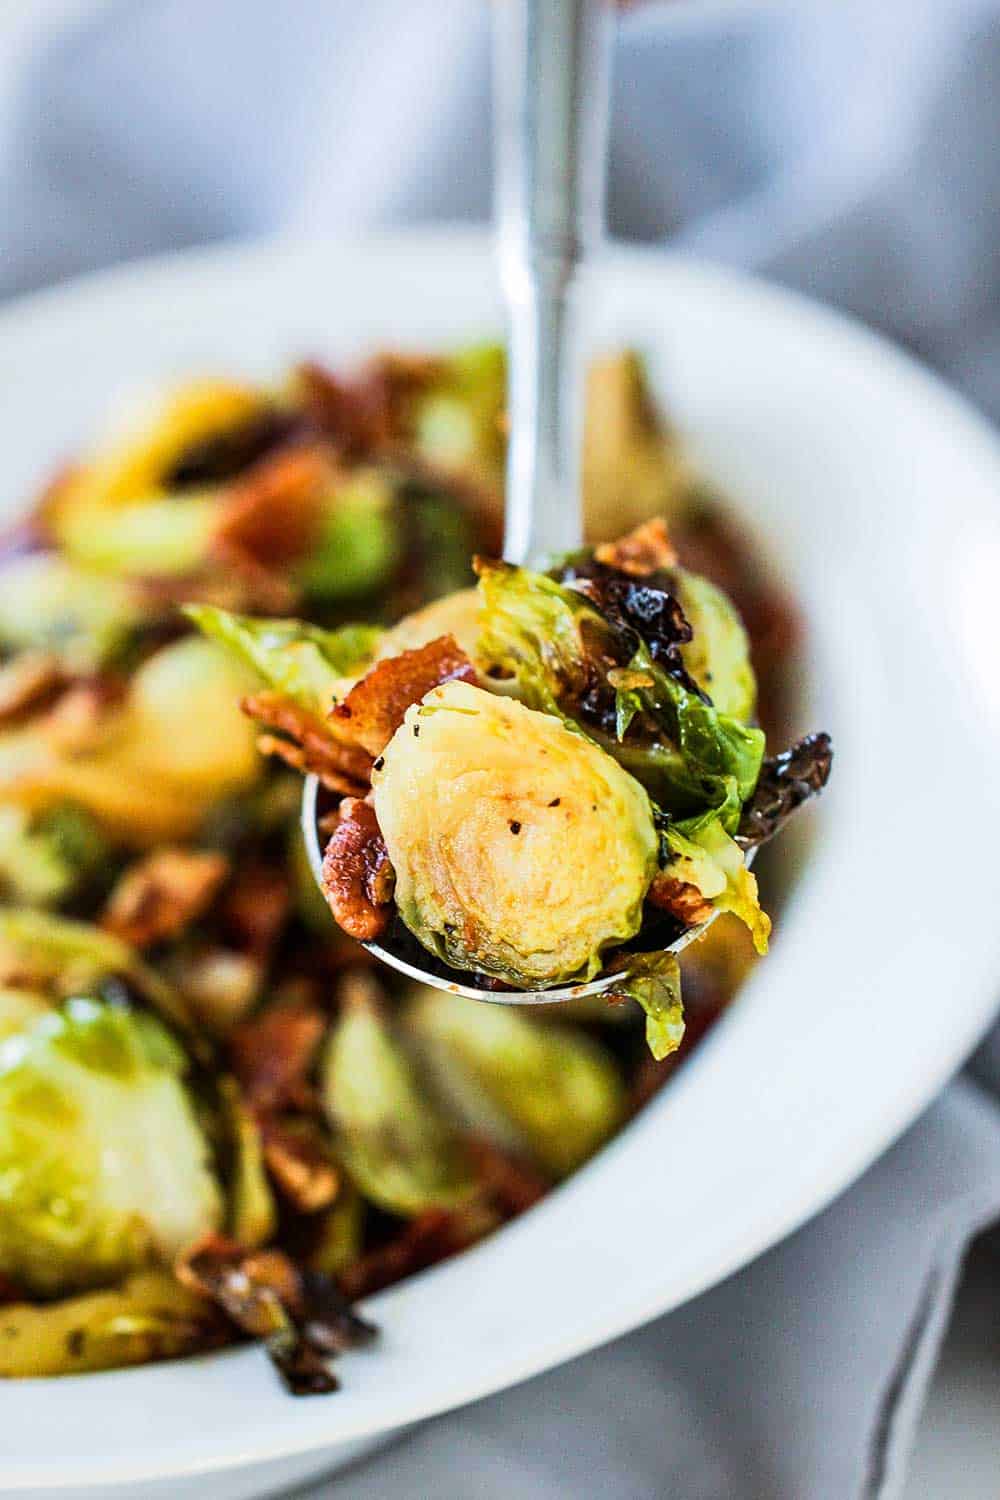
(46, 858)
(179, 730)
(149, 1317)
(103, 1166)
(632, 466)
(718, 653)
(548, 1093)
(520, 848)
(49, 604)
(397, 1146)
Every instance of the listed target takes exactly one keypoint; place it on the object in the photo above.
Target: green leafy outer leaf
(549, 1092)
(549, 642)
(400, 1150)
(303, 662)
(718, 654)
(654, 981)
(706, 856)
(103, 1167)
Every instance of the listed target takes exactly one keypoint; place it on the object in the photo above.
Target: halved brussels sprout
(136, 464)
(49, 857)
(520, 848)
(549, 1093)
(162, 538)
(103, 1166)
(152, 767)
(149, 1317)
(47, 603)
(57, 956)
(709, 859)
(718, 654)
(396, 1145)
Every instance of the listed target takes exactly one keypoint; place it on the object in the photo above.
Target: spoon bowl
(400, 950)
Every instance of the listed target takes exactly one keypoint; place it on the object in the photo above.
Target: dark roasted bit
(786, 781)
(222, 455)
(299, 1163)
(330, 1321)
(375, 707)
(162, 893)
(424, 1241)
(272, 1054)
(260, 1293)
(358, 878)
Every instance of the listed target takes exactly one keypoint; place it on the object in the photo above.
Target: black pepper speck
(515, 826)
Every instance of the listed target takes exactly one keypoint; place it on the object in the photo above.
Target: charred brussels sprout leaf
(103, 1167)
(547, 1092)
(400, 1150)
(561, 654)
(786, 781)
(709, 859)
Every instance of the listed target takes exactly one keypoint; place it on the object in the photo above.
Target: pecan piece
(644, 551)
(358, 878)
(161, 894)
(680, 898)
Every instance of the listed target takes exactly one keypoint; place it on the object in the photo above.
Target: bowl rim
(302, 1427)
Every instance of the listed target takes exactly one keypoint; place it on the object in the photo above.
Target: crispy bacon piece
(299, 1164)
(340, 766)
(375, 706)
(271, 1054)
(358, 878)
(161, 894)
(273, 512)
(644, 551)
(680, 898)
(26, 682)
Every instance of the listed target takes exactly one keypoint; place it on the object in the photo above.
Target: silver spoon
(552, 70)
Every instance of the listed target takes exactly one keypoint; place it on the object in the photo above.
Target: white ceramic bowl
(880, 494)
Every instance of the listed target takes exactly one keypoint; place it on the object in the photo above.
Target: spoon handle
(552, 67)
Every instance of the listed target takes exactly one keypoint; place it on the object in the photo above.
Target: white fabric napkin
(847, 148)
